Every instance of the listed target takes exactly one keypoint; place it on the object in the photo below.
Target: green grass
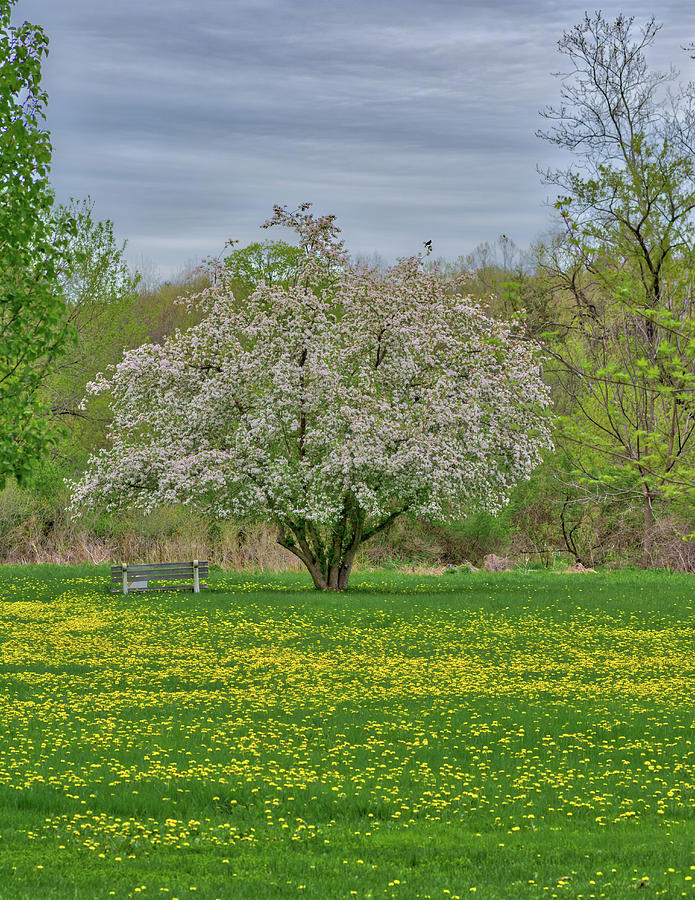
(519, 735)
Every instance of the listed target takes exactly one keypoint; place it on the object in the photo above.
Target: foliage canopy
(626, 353)
(33, 327)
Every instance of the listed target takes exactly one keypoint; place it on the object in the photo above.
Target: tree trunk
(327, 572)
(647, 536)
(329, 556)
(648, 507)
(335, 578)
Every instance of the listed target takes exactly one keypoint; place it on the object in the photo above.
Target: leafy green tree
(275, 263)
(626, 358)
(33, 326)
(101, 306)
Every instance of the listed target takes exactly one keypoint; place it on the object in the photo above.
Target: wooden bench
(133, 578)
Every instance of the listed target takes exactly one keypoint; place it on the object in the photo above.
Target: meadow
(518, 735)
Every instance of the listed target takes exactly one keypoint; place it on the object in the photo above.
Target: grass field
(492, 736)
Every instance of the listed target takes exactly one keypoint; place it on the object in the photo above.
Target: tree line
(607, 300)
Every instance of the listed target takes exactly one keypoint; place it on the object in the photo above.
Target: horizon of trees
(607, 295)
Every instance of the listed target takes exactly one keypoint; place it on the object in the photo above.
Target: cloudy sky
(410, 119)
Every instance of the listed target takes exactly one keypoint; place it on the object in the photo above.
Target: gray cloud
(185, 122)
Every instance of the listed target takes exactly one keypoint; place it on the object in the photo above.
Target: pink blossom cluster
(376, 391)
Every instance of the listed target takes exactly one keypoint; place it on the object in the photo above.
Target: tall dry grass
(38, 529)
(250, 548)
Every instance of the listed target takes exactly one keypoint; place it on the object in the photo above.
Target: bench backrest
(136, 577)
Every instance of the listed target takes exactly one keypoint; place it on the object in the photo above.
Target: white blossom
(330, 407)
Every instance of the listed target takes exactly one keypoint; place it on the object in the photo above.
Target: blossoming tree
(330, 406)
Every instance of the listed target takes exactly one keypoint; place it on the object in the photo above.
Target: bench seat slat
(159, 573)
(134, 567)
(142, 571)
